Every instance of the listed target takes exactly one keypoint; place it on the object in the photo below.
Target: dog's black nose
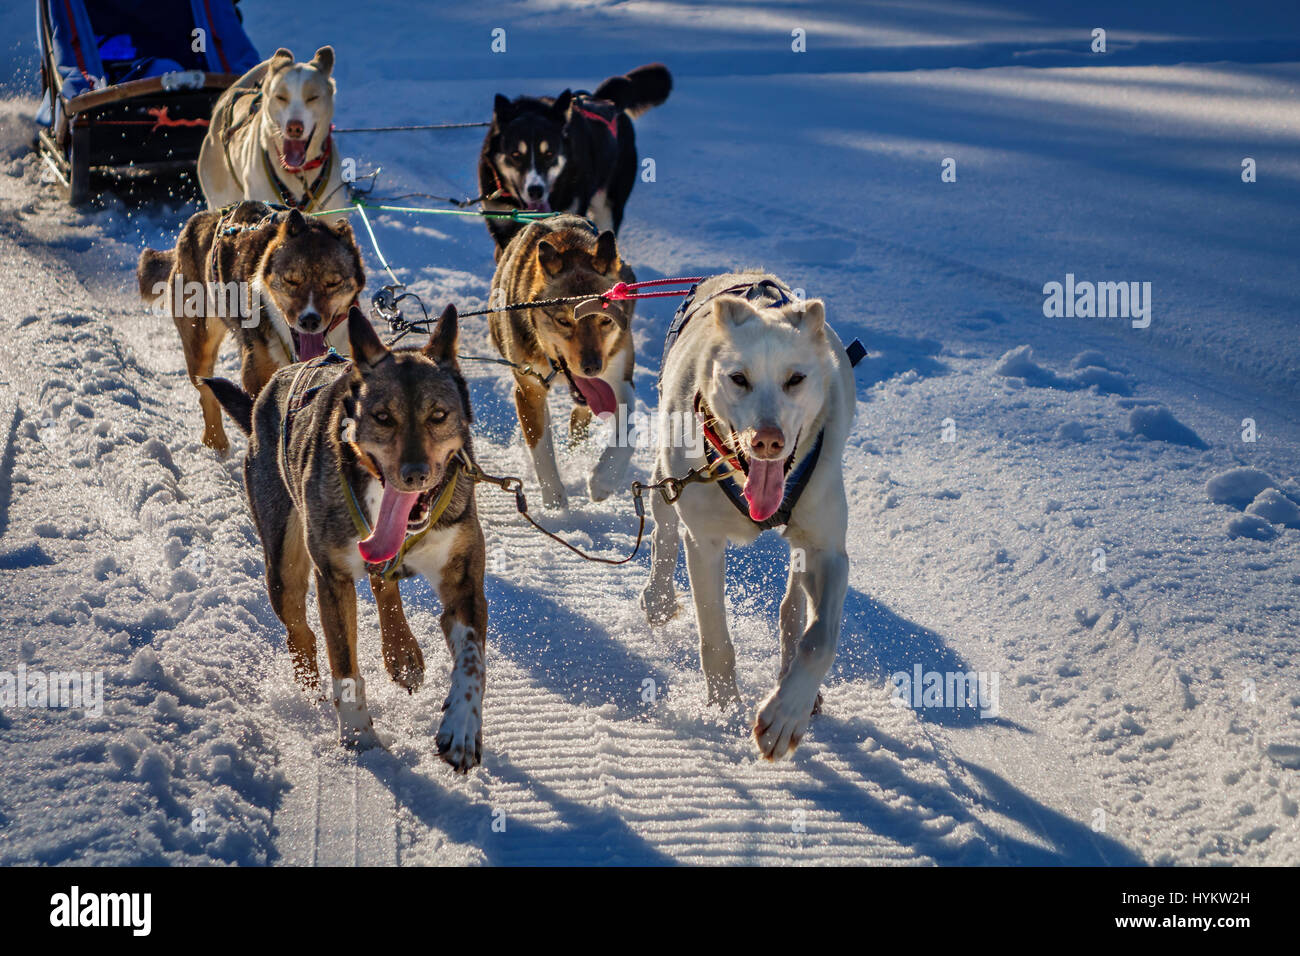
(309, 321)
(414, 473)
(535, 192)
(591, 369)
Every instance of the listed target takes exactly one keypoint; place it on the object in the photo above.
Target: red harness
(609, 124)
(718, 444)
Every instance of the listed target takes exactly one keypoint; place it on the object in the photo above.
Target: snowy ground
(1148, 711)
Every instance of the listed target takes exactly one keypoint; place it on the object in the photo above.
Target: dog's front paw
(660, 607)
(554, 499)
(723, 692)
(405, 664)
(357, 735)
(598, 489)
(460, 736)
(782, 720)
(218, 443)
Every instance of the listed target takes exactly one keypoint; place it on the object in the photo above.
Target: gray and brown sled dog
(765, 389)
(592, 351)
(280, 281)
(357, 467)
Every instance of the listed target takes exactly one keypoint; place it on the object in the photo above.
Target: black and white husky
(768, 389)
(572, 153)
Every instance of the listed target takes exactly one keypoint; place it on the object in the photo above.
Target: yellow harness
(389, 570)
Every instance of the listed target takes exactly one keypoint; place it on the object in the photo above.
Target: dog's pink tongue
(597, 392)
(764, 487)
(390, 527)
(540, 205)
(310, 346)
(295, 151)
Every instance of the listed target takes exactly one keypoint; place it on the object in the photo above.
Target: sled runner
(131, 83)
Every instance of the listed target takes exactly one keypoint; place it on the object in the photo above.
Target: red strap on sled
(76, 44)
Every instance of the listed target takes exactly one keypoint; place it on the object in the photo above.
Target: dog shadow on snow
(875, 645)
(546, 638)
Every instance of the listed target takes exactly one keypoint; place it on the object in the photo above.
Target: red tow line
(624, 290)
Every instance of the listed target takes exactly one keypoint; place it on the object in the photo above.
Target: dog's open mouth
(401, 513)
(294, 151)
(764, 488)
(538, 205)
(308, 345)
(598, 393)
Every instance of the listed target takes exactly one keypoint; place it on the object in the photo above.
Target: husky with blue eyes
(768, 388)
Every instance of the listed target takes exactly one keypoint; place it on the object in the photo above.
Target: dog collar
(313, 194)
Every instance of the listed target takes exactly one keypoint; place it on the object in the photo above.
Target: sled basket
(132, 83)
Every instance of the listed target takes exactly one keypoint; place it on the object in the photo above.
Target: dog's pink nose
(767, 443)
(293, 129)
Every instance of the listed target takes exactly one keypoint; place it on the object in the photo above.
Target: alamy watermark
(923, 689)
(1102, 300)
(53, 690)
(194, 300)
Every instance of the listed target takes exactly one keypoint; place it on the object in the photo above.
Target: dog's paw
(460, 736)
(782, 721)
(659, 607)
(218, 443)
(359, 738)
(723, 692)
(405, 665)
(306, 674)
(555, 499)
(598, 489)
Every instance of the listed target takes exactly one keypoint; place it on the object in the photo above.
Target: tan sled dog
(591, 352)
(281, 282)
(360, 466)
(269, 137)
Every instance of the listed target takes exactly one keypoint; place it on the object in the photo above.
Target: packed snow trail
(1148, 711)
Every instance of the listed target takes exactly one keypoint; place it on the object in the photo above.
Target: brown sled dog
(591, 352)
(353, 466)
(280, 281)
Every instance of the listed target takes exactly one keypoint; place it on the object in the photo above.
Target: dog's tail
(639, 90)
(237, 402)
(155, 269)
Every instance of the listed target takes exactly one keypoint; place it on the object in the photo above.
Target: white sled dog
(769, 388)
(269, 137)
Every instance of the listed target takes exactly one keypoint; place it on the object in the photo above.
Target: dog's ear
(442, 342)
(323, 61)
(294, 223)
(502, 109)
(550, 258)
(731, 311)
(808, 316)
(605, 257)
(343, 229)
(367, 350)
(560, 108)
(282, 59)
